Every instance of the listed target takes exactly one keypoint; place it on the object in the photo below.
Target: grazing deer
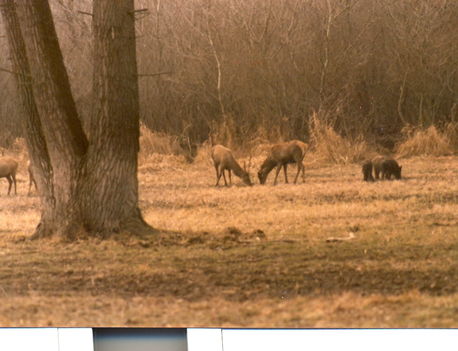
(31, 178)
(224, 160)
(8, 169)
(279, 156)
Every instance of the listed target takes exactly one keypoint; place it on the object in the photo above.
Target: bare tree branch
(85, 13)
(154, 74)
(12, 72)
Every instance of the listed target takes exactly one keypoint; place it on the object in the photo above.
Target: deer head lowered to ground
(8, 169)
(224, 160)
(280, 155)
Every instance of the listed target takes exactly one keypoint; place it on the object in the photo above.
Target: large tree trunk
(87, 187)
(114, 136)
(32, 126)
(64, 137)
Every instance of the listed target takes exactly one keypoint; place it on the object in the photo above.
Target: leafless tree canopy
(370, 65)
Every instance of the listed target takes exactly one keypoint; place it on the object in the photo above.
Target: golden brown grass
(428, 142)
(212, 265)
(329, 146)
(451, 133)
(152, 143)
(411, 309)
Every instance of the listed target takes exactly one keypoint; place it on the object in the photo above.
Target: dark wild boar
(367, 171)
(377, 165)
(386, 168)
(391, 168)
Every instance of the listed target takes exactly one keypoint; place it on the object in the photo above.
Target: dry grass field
(260, 256)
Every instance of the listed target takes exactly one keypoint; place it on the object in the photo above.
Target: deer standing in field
(281, 155)
(8, 169)
(223, 160)
(31, 178)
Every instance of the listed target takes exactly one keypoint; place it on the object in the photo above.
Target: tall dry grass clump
(243, 143)
(158, 143)
(152, 143)
(226, 132)
(204, 153)
(329, 146)
(451, 133)
(427, 142)
(17, 149)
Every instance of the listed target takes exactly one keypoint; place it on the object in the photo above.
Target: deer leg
(30, 185)
(285, 171)
(14, 181)
(230, 177)
(303, 172)
(10, 182)
(224, 177)
(276, 174)
(218, 175)
(299, 168)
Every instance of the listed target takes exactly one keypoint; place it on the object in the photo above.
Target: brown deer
(224, 160)
(8, 169)
(281, 155)
(31, 178)
(304, 147)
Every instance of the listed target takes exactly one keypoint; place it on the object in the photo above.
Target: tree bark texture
(64, 137)
(30, 120)
(114, 136)
(90, 185)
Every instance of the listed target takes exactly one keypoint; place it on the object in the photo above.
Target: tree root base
(132, 227)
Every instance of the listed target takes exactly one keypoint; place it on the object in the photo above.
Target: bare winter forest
(259, 68)
(129, 227)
